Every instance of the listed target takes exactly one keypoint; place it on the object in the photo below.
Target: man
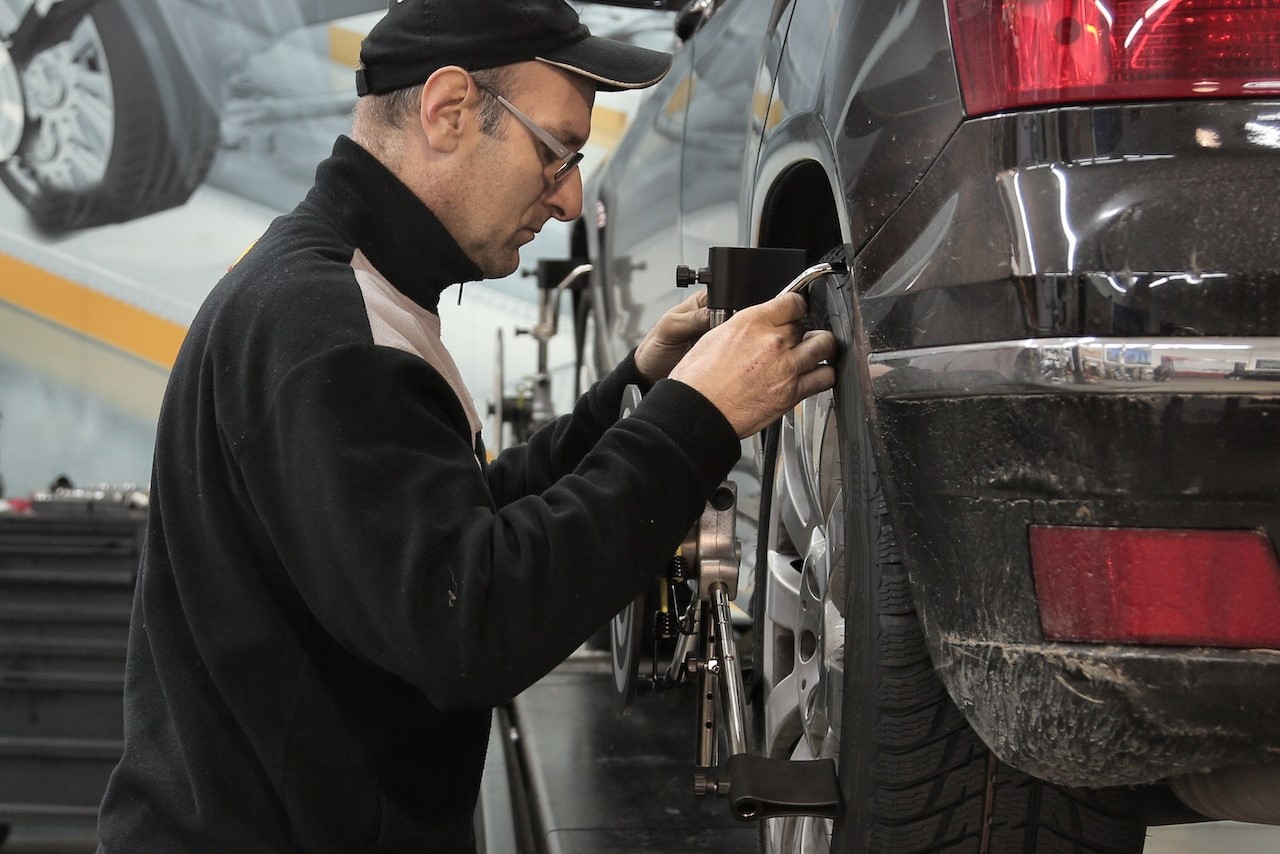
(336, 587)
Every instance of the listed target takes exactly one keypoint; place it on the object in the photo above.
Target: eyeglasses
(569, 160)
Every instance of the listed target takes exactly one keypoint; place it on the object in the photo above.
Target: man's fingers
(693, 302)
(818, 345)
(819, 379)
(692, 323)
(684, 323)
(783, 309)
(813, 353)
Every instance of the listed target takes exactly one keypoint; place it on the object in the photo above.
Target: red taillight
(1021, 53)
(1157, 586)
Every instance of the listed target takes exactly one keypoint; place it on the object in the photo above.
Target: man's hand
(672, 336)
(760, 363)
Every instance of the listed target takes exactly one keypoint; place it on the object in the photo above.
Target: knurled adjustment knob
(706, 784)
(686, 276)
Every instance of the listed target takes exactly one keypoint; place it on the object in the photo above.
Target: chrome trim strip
(1091, 365)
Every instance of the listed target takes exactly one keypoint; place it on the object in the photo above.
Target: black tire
(144, 143)
(914, 776)
(4, 833)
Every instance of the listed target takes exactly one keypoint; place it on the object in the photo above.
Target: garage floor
(600, 783)
(1216, 838)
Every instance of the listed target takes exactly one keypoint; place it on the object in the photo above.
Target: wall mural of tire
(847, 674)
(115, 127)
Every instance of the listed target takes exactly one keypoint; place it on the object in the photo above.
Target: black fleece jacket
(336, 588)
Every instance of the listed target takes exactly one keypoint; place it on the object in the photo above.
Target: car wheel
(845, 672)
(115, 127)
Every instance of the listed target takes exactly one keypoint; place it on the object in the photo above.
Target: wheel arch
(804, 207)
(800, 212)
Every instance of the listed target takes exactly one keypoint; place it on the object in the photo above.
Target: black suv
(1017, 575)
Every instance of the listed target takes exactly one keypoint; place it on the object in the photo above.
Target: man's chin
(500, 268)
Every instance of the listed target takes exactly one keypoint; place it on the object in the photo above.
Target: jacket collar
(399, 234)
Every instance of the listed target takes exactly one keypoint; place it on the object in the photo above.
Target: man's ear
(445, 109)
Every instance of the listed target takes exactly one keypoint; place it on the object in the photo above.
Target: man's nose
(565, 198)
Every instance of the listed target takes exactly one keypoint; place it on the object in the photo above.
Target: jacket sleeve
(556, 449)
(383, 519)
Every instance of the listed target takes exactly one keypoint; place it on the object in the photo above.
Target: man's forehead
(559, 99)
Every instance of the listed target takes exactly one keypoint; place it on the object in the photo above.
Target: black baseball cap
(416, 37)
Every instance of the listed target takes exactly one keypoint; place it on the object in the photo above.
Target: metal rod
(735, 709)
(547, 327)
(705, 739)
(549, 308)
(811, 275)
(799, 283)
(675, 670)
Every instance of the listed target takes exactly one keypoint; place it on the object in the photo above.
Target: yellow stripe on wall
(607, 126)
(84, 310)
(344, 45)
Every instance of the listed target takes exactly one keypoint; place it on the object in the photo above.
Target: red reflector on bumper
(1157, 586)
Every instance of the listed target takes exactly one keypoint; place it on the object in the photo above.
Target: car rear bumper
(972, 473)
(1094, 716)
(1075, 321)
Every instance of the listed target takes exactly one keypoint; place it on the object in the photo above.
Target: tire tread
(928, 780)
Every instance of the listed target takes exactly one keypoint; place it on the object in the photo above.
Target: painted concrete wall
(90, 318)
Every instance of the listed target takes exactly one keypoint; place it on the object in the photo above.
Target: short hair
(493, 81)
(376, 115)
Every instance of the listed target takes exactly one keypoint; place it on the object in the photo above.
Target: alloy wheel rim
(13, 110)
(804, 627)
(70, 110)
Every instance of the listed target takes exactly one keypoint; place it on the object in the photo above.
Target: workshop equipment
(67, 572)
(695, 595)
(531, 406)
